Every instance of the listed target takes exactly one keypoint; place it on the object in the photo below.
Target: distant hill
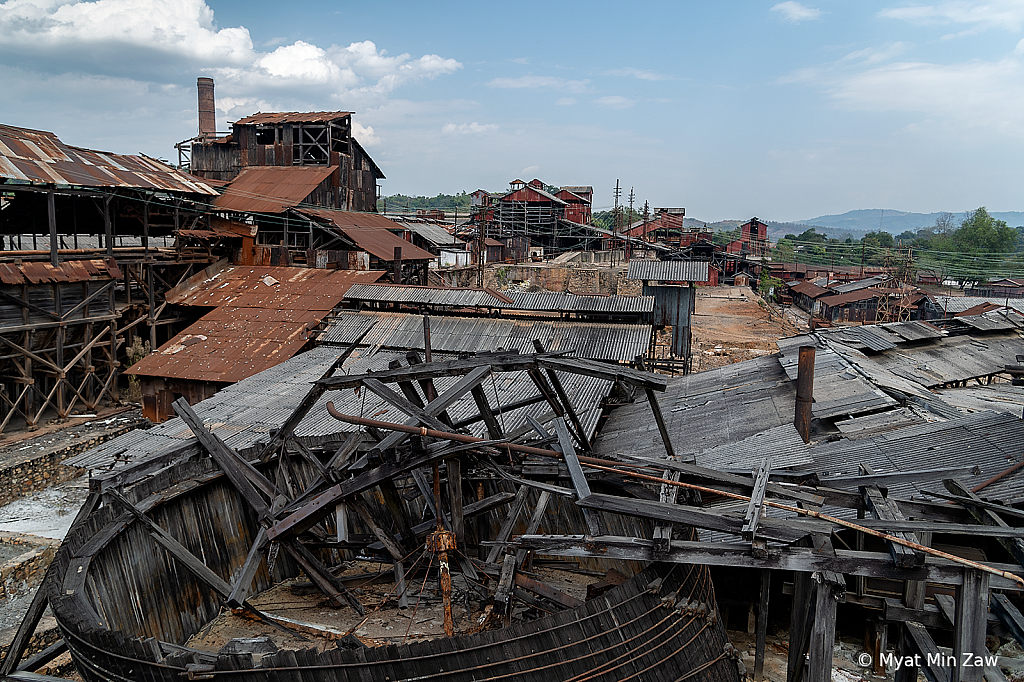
(895, 222)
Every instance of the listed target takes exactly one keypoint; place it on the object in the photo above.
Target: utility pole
(480, 249)
(630, 222)
(616, 218)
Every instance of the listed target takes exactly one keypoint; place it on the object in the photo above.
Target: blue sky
(781, 110)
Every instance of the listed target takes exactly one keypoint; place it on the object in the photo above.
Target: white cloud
(365, 135)
(565, 101)
(642, 74)
(1005, 14)
(614, 102)
(473, 128)
(540, 83)
(795, 12)
(156, 41)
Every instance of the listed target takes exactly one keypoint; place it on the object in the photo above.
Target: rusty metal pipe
(804, 392)
(998, 477)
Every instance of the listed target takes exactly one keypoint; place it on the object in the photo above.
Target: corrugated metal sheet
(245, 413)
(265, 316)
(668, 270)
(435, 234)
(958, 304)
(394, 293)
(369, 232)
(272, 189)
(293, 117)
(594, 341)
(993, 321)
(809, 289)
(566, 302)
(265, 286)
(41, 158)
(861, 284)
(68, 271)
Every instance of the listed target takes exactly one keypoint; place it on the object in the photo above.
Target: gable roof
(370, 232)
(293, 117)
(272, 189)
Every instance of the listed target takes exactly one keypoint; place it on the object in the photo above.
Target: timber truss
(400, 462)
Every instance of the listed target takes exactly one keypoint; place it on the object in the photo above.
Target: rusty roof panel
(440, 296)
(272, 189)
(293, 117)
(40, 157)
(268, 287)
(370, 233)
(44, 272)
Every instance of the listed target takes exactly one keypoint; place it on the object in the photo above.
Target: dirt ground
(732, 324)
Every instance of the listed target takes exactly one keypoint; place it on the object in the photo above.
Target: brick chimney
(207, 108)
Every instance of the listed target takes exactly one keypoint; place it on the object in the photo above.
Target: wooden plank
(326, 582)
(916, 476)
(548, 592)
(783, 530)
(1009, 614)
(503, 593)
(882, 509)
(454, 467)
(245, 577)
(762, 625)
(969, 627)
(308, 401)
(756, 504)
(801, 559)
(987, 516)
(823, 631)
(37, 661)
(506, 528)
(242, 474)
(494, 431)
(579, 480)
(923, 646)
(666, 495)
(563, 397)
(801, 618)
(535, 519)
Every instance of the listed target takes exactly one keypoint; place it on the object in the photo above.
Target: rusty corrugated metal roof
(272, 189)
(262, 286)
(264, 317)
(370, 233)
(293, 117)
(68, 271)
(39, 157)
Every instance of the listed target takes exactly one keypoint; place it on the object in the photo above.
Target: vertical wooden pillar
(971, 621)
(454, 466)
(823, 631)
(108, 228)
(801, 616)
(150, 291)
(762, 625)
(59, 339)
(51, 212)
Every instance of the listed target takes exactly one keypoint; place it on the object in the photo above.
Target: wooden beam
(494, 431)
(503, 593)
(506, 528)
(988, 517)
(666, 495)
(543, 589)
(882, 509)
(454, 468)
(534, 523)
(762, 625)
(919, 645)
(800, 559)
(579, 480)
(756, 504)
(823, 629)
(243, 582)
(330, 586)
(1009, 614)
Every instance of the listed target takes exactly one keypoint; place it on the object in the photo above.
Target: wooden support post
(393, 502)
(332, 588)
(1009, 614)
(243, 582)
(762, 625)
(392, 547)
(801, 617)
(563, 397)
(51, 213)
(668, 494)
(969, 628)
(454, 466)
(823, 630)
(503, 593)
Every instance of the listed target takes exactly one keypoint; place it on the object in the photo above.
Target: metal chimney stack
(207, 109)
(804, 392)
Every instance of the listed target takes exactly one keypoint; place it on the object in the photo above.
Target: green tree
(981, 233)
